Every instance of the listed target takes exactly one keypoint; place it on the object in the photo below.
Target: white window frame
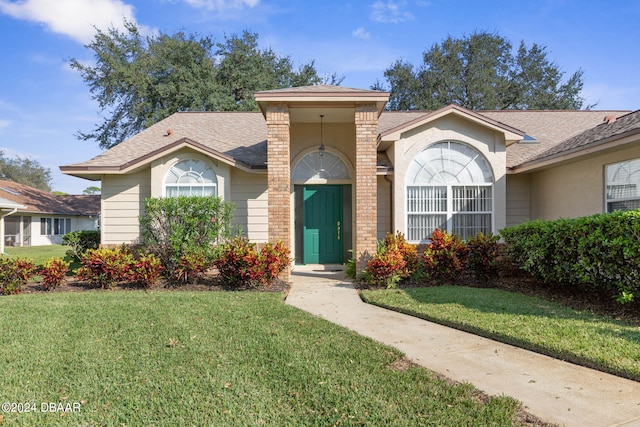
(622, 185)
(447, 182)
(55, 226)
(199, 180)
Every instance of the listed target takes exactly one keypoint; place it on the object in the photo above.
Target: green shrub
(53, 272)
(599, 252)
(81, 241)
(240, 264)
(191, 266)
(14, 274)
(395, 259)
(482, 256)
(146, 270)
(106, 267)
(173, 227)
(444, 257)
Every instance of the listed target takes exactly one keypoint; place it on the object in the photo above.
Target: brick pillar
(279, 176)
(366, 203)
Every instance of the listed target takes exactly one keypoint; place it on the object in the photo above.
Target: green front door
(322, 230)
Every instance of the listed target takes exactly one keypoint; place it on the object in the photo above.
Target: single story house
(32, 217)
(327, 170)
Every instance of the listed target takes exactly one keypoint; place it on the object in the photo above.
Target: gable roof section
(237, 138)
(511, 134)
(603, 136)
(33, 200)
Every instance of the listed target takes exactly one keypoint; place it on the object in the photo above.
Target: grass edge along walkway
(532, 323)
(215, 358)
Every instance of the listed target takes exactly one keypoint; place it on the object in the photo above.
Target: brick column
(366, 203)
(279, 176)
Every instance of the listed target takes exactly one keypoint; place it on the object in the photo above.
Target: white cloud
(220, 5)
(5, 123)
(361, 33)
(73, 18)
(390, 12)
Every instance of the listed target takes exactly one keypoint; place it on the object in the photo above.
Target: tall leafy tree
(139, 80)
(481, 72)
(26, 171)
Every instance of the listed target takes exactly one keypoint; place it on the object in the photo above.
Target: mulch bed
(209, 281)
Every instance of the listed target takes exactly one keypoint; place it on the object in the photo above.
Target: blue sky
(43, 103)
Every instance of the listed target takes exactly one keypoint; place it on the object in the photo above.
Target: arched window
(191, 177)
(450, 187)
(320, 166)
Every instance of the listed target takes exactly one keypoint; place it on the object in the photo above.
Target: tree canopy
(139, 80)
(480, 72)
(26, 171)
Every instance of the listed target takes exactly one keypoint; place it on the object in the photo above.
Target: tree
(26, 171)
(480, 72)
(91, 190)
(140, 80)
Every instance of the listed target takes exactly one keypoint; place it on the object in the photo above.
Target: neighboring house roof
(32, 200)
(8, 204)
(239, 138)
(612, 130)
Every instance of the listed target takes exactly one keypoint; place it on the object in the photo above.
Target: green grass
(169, 358)
(579, 336)
(38, 254)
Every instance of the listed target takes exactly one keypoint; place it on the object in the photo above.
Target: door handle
(338, 225)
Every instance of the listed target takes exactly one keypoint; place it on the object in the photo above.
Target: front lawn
(213, 358)
(537, 324)
(38, 254)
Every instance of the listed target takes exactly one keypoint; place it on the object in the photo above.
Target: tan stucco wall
(518, 199)
(450, 128)
(576, 188)
(337, 137)
(248, 192)
(122, 203)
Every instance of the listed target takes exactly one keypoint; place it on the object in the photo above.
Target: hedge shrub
(600, 251)
(175, 227)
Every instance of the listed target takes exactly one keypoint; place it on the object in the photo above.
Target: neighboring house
(32, 217)
(327, 170)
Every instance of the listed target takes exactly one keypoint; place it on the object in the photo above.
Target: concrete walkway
(550, 389)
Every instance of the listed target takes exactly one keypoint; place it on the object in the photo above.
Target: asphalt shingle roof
(38, 201)
(627, 124)
(241, 136)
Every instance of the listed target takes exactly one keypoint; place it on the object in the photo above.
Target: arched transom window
(191, 177)
(320, 166)
(450, 187)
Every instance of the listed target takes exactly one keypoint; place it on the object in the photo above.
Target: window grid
(461, 209)
(191, 177)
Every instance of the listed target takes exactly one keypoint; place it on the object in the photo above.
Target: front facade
(326, 170)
